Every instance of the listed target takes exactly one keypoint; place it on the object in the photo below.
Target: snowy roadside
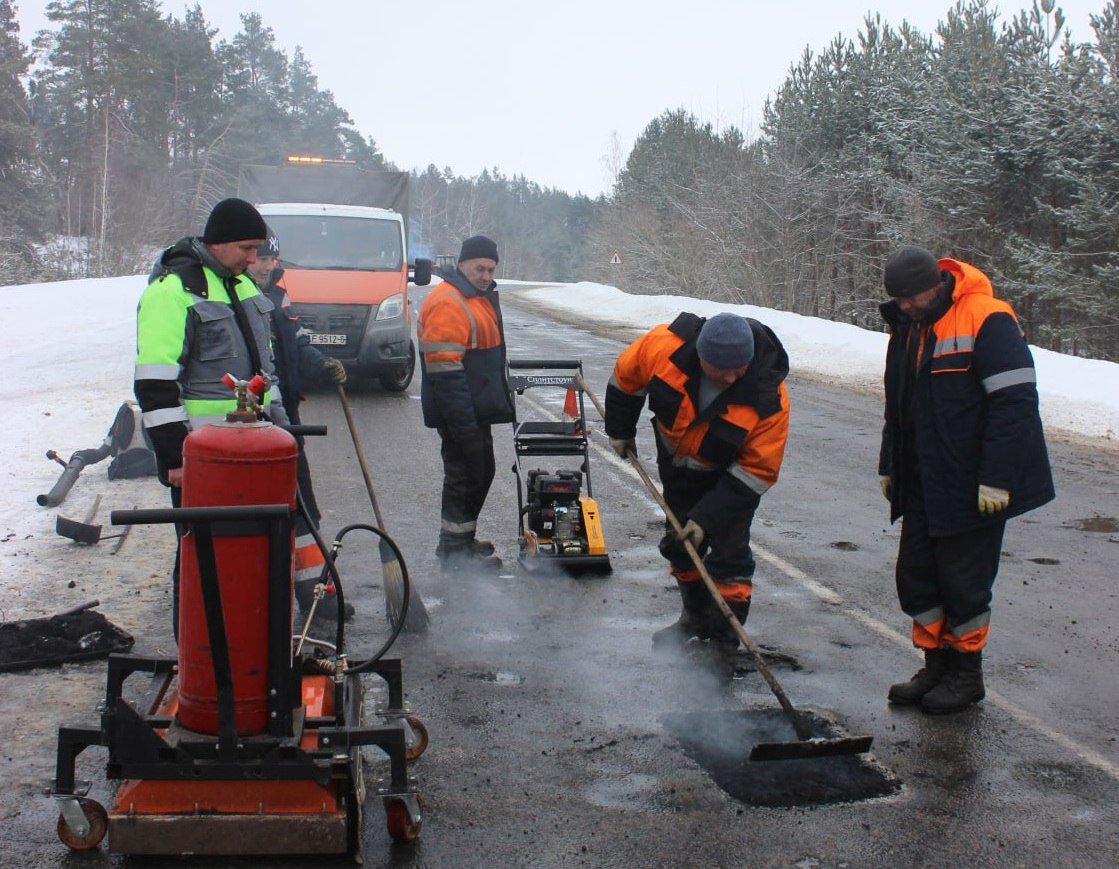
(1079, 397)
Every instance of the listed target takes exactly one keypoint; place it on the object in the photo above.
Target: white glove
(992, 500)
(884, 485)
(624, 446)
(692, 533)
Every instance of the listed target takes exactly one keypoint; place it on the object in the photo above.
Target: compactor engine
(554, 511)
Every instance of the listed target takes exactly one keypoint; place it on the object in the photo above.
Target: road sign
(615, 260)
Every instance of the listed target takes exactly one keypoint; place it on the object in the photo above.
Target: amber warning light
(308, 158)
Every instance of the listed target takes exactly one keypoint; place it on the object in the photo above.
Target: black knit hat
(478, 247)
(910, 271)
(234, 220)
(271, 245)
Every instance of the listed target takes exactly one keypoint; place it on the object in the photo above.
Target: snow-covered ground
(66, 366)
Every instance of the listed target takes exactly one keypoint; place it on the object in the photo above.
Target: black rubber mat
(47, 642)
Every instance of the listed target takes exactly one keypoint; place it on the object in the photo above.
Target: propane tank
(242, 461)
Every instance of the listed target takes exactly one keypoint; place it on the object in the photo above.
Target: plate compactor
(250, 741)
(558, 524)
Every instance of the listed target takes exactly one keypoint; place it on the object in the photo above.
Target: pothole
(498, 678)
(1042, 560)
(845, 546)
(1098, 524)
(720, 742)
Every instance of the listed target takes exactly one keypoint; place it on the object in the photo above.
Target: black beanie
(910, 271)
(234, 220)
(271, 245)
(478, 247)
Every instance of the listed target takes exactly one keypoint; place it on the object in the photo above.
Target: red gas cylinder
(231, 464)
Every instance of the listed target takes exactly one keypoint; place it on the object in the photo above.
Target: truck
(343, 236)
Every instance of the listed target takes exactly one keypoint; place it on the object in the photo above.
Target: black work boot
(481, 547)
(476, 555)
(719, 628)
(960, 687)
(692, 621)
(928, 677)
(327, 610)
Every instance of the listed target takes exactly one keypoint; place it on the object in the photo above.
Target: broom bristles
(417, 620)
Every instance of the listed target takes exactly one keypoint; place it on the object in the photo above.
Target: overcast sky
(544, 89)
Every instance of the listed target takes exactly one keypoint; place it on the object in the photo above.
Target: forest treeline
(991, 140)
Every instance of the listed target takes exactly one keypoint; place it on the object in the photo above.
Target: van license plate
(327, 338)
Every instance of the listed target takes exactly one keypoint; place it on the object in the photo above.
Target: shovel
(87, 532)
(807, 745)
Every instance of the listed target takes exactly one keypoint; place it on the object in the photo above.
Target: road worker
(716, 388)
(298, 364)
(200, 318)
(465, 391)
(962, 451)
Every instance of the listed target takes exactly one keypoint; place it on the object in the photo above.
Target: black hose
(380, 653)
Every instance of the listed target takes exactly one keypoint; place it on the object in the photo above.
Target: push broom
(417, 618)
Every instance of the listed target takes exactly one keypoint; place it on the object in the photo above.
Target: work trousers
(468, 471)
(725, 550)
(944, 583)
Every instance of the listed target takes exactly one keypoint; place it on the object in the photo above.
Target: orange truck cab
(346, 266)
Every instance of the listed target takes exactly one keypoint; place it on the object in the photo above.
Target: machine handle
(573, 364)
(167, 515)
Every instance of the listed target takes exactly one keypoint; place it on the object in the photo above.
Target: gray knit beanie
(726, 341)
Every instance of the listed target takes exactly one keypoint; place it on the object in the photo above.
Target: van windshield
(334, 242)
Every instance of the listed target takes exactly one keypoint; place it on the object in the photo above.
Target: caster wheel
(419, 745)
(98, 824)
(399, 820)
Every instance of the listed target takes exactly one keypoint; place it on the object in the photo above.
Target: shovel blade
(811, 748)
(75, 530)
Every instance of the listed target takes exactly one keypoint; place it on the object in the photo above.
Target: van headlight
(391, 307)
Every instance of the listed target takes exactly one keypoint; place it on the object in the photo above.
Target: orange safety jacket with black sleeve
(462, 356)
(971, 410)
(738, 440)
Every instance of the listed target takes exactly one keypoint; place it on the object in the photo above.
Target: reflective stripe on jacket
(187, 339)
(975, 408)
(739, 438)
(462, 357)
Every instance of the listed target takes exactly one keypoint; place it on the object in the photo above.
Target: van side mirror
(421, 272)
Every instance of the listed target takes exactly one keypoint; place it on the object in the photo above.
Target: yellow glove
(992, 500)
(334, 370)
(692, 533)
(884, 485)
(624, 446)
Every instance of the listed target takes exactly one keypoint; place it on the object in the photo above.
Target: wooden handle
(360, 455)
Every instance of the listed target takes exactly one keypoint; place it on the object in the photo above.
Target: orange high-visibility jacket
(975, 416)
(738, 441)
(462, 355)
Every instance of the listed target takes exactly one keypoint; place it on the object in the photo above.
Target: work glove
(672, 544)
(692, 533)
(335, 370)
(884, 485)
(992, 500)
(624, 446)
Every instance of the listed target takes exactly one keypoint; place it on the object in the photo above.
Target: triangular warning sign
(615, 260)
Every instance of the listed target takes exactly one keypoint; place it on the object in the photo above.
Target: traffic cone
(571, 409)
